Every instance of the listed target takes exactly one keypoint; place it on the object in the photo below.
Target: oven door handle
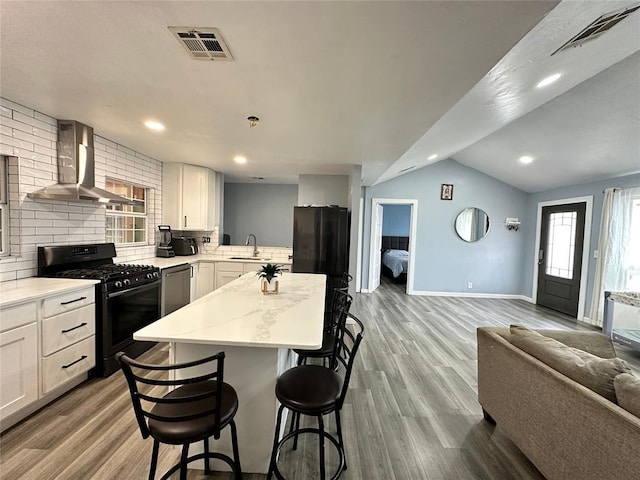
(140, 288)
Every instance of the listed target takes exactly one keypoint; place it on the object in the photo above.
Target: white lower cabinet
(206, 278)
(68, 363)
(193, 290)
(68, 328)
(44, 343)
(18, 368)
(227, 272)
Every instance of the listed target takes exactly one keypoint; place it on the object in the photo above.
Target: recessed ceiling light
(240, 159)
(433, 157)
(154, 125)
(549, 80)
(526, 159)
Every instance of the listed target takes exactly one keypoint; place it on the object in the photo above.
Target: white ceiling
(588, 133)
(576, 131)
(334, 83)
(381, 84)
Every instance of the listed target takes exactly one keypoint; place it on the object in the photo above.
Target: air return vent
(598, 27)
(202, 43)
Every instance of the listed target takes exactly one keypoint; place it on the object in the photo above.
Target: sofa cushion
(628, 392)
(593, 342)
(588, 370)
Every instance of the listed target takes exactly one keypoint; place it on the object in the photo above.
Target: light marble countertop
(238, 314)
(23, 290)
(162, 262)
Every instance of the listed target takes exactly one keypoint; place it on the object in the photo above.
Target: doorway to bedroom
(392, 243)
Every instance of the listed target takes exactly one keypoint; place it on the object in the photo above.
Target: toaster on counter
(184, 245)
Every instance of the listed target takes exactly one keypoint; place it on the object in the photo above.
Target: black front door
(560, 257)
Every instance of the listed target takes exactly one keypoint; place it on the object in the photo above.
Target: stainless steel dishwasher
(176, 287)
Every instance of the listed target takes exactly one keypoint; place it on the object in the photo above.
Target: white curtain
(617, 247)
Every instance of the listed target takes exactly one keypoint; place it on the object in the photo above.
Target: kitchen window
(127, 224)
(4, 207)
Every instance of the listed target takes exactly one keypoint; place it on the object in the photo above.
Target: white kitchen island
(256, 332)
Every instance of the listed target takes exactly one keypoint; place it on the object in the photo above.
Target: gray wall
(355, 194)
(396, 220)
(262, 209)
(444, 263)
(324, 190)
(528, 227)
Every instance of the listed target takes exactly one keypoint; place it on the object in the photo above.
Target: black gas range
(127, 297)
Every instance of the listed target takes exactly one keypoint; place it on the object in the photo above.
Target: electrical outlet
(206, 239)
(469, 284)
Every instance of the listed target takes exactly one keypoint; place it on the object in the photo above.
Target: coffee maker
(164, 247)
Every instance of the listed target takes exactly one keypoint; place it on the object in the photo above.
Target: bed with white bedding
(395, 257)
(396, 261)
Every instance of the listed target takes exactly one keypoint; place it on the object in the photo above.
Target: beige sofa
(567, 431)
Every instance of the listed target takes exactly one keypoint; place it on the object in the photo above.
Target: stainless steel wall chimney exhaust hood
(76, 168)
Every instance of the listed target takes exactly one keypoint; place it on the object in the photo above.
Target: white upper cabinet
(189, 197)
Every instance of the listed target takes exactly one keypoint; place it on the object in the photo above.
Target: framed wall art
(446, 191)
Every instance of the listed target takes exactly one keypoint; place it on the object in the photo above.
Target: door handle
(540, 257)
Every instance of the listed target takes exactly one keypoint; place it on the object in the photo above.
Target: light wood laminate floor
(411, 412)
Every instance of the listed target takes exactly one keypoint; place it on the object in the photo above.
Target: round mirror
(472, 224)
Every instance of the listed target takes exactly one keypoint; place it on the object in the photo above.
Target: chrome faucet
(255, 244)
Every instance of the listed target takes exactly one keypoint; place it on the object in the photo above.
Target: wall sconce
(512, 224)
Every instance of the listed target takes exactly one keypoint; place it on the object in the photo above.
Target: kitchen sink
(250, 258)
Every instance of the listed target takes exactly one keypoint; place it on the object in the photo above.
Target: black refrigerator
(321, 244)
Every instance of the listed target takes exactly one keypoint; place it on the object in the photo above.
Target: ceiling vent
(202, 43)
(598, 27)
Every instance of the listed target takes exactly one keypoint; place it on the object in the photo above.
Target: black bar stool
(340, 305)
(198, 408)
(316, 391)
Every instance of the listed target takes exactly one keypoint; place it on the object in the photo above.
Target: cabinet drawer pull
(73, 363)
(73, 301)
(185, 220)
(73, 328)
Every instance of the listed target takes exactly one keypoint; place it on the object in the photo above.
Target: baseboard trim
(364, 290)
(471, 295)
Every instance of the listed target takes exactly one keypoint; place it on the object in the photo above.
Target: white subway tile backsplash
(52, 230)
(32, 136)
(67, 208)
(6, 149)
(52, 215)
(15, 107)
(16, 143)
(36, 173)
(30, 120)
(105, 142)
(35, 222)
(45, 134)
(6, 276)
(46, 151)
(53, 123)
(35, 239)
(126, 150)
(16, 125)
